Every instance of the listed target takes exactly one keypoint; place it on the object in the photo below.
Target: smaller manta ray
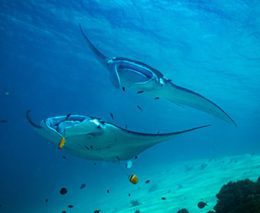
(94, 139)
(143, 79)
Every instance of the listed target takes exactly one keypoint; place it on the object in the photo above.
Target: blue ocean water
(211, 47)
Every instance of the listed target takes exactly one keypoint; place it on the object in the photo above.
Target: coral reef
(239, 197)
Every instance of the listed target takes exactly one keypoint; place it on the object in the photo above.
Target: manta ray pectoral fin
(29, 119)
(42, 130)
(136, 142)
(103, 60)
(148, 135)
(187, 97)
(149, 138)
(99, 55)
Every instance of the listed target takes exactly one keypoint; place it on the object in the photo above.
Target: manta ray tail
(187, 97)
(100, 56)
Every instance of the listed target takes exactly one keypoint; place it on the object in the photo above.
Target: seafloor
(172, 186)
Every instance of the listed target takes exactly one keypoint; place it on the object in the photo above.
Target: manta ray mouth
(137, 76)
(60, 123)
(133, 76)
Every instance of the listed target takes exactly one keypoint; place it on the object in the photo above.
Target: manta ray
(92, 138)
(143, 79)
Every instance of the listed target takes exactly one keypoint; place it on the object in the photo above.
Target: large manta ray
(143, 79)
(94, 139)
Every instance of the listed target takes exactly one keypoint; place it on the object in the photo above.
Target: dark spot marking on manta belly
(123, 88)
(140, 108)
(156, 98)
(92, 134)
(140, 92)
(95, 134)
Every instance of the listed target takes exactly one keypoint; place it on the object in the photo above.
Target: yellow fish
(61, 143)
(133, 179)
